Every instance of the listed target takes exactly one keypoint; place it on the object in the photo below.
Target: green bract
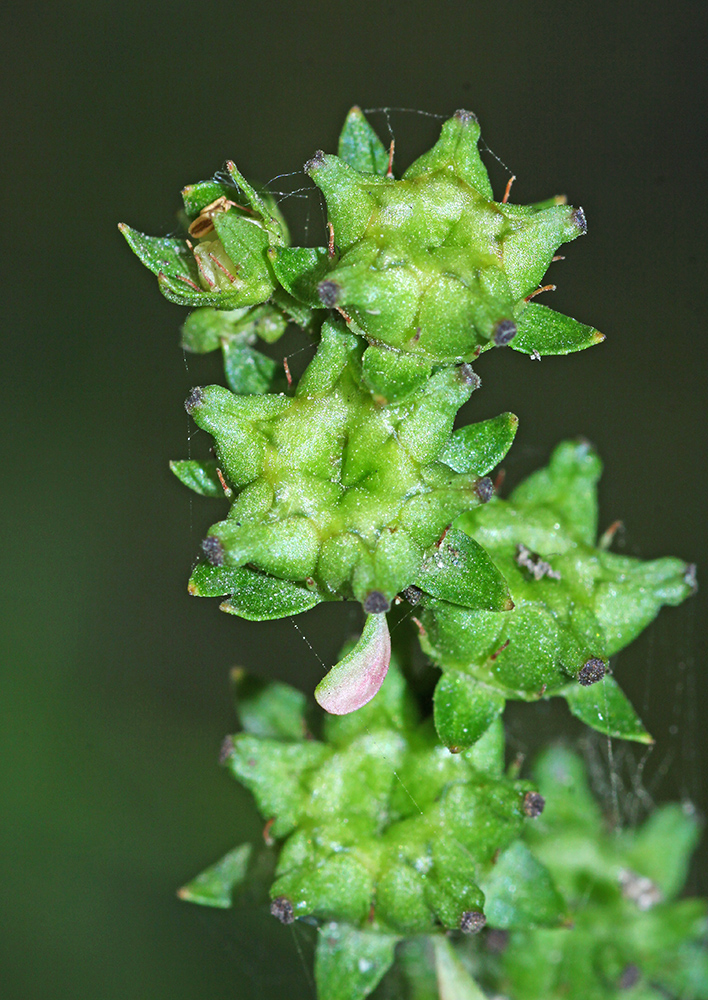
(575, 605)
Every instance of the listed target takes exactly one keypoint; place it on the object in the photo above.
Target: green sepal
(338, 888)
(480, 447)
(254, 596)
(262, 204)
(456, 149)
(215, 885)
(391, 376)
(458, 570)
(197, 196)
(246, 244)
(273, 771)
(199, 476)
(568, 486)
(269, 708)
(360, 147)
(464, 709)
(520, 892)
(631, 594)
(545, 331)
(350, 963)
(606, 708)
(299, 270)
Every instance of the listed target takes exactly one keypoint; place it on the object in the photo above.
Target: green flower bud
(575, 605)
(431, 265)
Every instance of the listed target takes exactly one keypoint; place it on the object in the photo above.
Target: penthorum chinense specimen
(395, 826)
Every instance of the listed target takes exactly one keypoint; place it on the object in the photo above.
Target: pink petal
(358, 676)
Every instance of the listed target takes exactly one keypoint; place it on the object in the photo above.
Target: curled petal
(357, 677)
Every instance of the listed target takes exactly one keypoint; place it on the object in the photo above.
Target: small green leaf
(460, 571)
(268, 708)
(215, 885)
(464, 709)
(163, 255)
(199, 476)
(605, 707)
(546, 331)
(360, 147)
(257, 597)
(300, 270)
(349, 963)
(480, 447)
(520, 892)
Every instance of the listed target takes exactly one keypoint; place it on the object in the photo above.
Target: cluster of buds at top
(352, 484)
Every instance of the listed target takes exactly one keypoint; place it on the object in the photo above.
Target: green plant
(398, 826)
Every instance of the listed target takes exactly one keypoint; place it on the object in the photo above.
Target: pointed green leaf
(300, 270)
(605, 707)
(457, 149)
(162, 254)
(464, 709)
(360, 147)
(520, 892)
(546, 331)
(454, 981)
(461, 572)
(258, 597)
(357, 677)
(257, 202)
(215, 885)
(480, 447)
(269, 708)
(199, 476)
(350, 963)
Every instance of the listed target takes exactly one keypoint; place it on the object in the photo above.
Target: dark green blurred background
(115, 695)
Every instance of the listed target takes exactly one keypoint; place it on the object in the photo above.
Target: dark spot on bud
(465, 116)
(472, 922)
(534, 804)
(455, 749)
(213, 550)
(413, 594)
(329, 292)
(227, 749)
(629, 978)
(468, 376)
(282, 909)
(580, 221)
(376, 603)
(194, 400)
(316, 161)
(592, 671)
(496, 941)
(484, 489)
(504, 332)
